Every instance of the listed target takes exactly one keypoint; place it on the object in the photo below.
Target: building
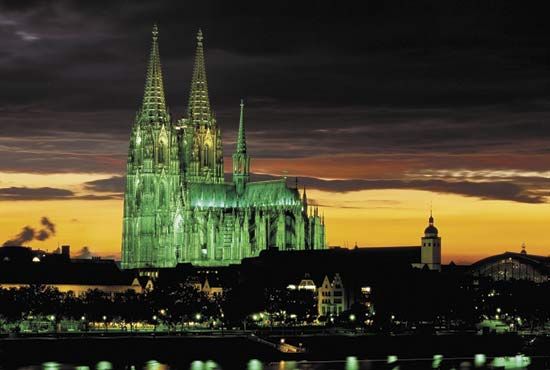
(331, 297)
(179, 208)
(513, 266)
(431, 247)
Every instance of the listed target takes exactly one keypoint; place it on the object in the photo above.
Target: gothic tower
(177, 206)
(431, 246)
(151, 199)
(241, 160)
(202, 143)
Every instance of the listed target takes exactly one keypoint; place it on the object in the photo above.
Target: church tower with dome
(431, 246)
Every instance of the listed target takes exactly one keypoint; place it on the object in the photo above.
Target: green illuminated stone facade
(178, 206)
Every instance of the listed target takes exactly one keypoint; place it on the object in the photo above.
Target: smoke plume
(28, 234)
(84, 254)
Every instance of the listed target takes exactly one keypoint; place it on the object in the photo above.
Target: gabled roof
(256, 194)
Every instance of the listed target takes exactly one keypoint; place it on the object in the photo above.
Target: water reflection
(200, 365)
(352, 363)
(255, 365)
(477, 362)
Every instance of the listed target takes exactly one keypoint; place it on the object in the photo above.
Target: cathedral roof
(256, 194)
(274, 192)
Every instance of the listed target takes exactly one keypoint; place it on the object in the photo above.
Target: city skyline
(377, 131)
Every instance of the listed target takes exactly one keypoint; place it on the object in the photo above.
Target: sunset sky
(380, 113)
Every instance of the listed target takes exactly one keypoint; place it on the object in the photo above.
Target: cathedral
(178, 206)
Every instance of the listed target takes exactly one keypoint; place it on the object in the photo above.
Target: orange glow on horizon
(470, 228)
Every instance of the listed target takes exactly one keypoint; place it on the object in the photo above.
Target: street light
(352, 317)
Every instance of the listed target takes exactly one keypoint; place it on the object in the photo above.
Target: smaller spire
(431, 219)
(241, 138)
(523, 248)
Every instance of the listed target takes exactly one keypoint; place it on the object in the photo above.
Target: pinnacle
(153, 108)
(199, 102)
(241, 139)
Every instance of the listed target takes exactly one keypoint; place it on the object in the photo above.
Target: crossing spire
(153, 108)
(199, 103)
(241, 138)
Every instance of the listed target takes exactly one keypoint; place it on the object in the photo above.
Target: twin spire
(199, 103)
(153, 108)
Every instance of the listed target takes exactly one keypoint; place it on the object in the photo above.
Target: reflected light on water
(208, 365)
(155, 365)
(436, 363)
(287, 365)
(197, 365)
(255, 365)
(479, 360)
(211, 365)
(104, 365)
(51, 366)
(352, 363)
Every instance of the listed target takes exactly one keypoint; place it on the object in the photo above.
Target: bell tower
(431, 246)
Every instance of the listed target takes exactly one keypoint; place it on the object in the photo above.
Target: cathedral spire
(153, 108)
(241, 160)
(241, 138)
(199, 103)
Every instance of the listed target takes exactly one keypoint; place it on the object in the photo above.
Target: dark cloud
(496, 190)
(45, 193)
(114, 184)
(411, 86)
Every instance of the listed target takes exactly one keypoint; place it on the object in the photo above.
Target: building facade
(179, 208)
(331, 299)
